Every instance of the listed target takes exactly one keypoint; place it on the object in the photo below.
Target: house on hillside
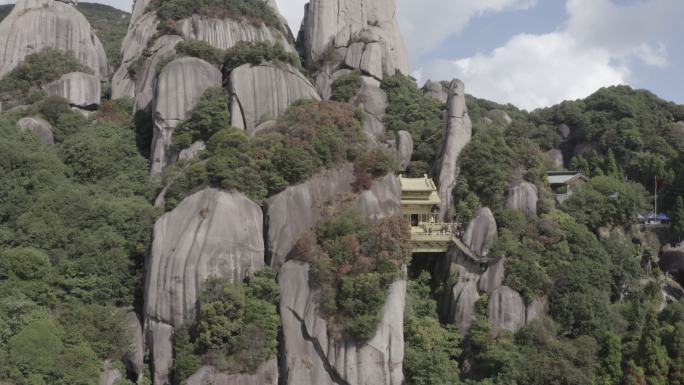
(565, 183)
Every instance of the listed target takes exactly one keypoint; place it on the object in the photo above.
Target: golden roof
(417, 184)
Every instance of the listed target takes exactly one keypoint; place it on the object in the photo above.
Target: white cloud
(427, 23)
(595, 48)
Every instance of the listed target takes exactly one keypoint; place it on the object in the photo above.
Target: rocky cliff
(34, 25)
(457, 134)
(210, 234)
(312, 356)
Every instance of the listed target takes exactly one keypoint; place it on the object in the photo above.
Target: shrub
(210, 115)
(236, 329)
(255, 11)
(354, 263)
(309, 137)
(39, 69)
(345, 88)
(257, 53)
(201, 49)
(53, 107)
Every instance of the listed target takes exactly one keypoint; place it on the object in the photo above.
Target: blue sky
(535, 53)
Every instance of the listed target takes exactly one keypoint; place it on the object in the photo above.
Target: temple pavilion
(420, 206)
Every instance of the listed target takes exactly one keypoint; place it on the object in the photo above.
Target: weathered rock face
(193, 151)
(435, 90)
(147, 77)
(506, 309)
(39, 127)
(556, 157)
(537, 309)
(459, 131)
(458, 305)
(211, 233)
(294, 211)
(134, 358)
(523, 197)
(220, 33)
(109, 375)
(34, 25)
(311, 356)
(180, 86)
(481, 233)
(78, 88)
(493, 277)
(373, 100)
(264, 92)
(357, 34)
(267, 374)
(225, 33)
(141, 29)
(501, 115)
(404, 149)
(564, 131)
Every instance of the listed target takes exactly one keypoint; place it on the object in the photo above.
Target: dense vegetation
(241, 53)
(584, 256)
(236, 330)
(310, 136)
(346, 87)
(253, 11)
(23, 84)
(76, 225)
(410, 111)
(354, 263)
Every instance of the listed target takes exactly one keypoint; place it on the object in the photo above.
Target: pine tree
(677, 226)
(651, 354)
(611, 167)
(609, 371)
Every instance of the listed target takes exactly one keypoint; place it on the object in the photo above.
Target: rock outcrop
(312, 356)
(556, 157)
(404, 149)
(266, 374)
(180, 86)
(38, 126)
(373, 100)
(135, 355)
(502, 116)
(506, 309)
(435, 90)
(563, 130)
(294, 211)
(146, 81)
(481, 232)
(78, 88)
(458, 132)
(211, 233)
(458, 305)
(34, 25)
(356, 34)
(537, 309)
(493, 277)
(523, 197)
(110, 375)
(193, 151)
(260, 93)
(225, 33)
(220, 33)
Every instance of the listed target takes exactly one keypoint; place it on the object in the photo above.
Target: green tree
(651, 354)
(611, 164)
(677, 226)
(609, 368)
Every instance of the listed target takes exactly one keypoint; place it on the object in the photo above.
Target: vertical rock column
(458, 132)
(210, 234)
